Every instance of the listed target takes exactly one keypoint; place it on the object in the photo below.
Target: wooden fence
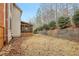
(1, 36)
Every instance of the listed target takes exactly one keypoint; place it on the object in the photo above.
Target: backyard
(53, 29)
(39, 44)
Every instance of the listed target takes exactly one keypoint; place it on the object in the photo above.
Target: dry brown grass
(46, 45)
(41, 45)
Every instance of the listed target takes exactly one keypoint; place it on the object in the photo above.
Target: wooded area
(61, 15)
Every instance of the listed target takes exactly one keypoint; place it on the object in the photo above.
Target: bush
(76, 18)
(38, 29)
(46, 27)
(35, 31)
(64, 22)
(52, 25)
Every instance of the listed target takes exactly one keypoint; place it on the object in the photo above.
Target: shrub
(38, 29)
(46, 27)
(64, 22)
(52, 25)
(76, 18)
(35, 31)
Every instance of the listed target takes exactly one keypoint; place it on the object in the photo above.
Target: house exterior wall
(1, 24)
(14, 17)
(9, 22)
(16, 30)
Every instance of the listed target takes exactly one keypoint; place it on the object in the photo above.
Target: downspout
(6, 22)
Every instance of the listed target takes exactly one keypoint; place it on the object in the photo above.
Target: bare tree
(52, 11)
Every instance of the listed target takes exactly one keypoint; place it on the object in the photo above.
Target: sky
(28, 10)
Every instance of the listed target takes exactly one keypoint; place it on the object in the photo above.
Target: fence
(1, 36)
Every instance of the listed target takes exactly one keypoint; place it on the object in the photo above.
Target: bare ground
(40, 45)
